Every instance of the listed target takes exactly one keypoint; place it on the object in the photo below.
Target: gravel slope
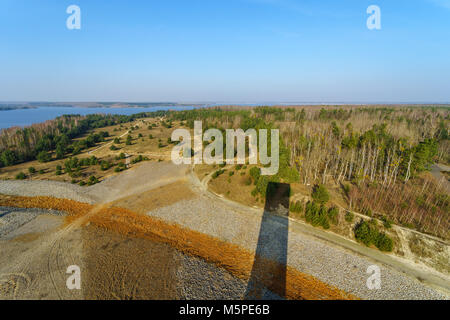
(46, 188)
(333, 265)
(12, 219)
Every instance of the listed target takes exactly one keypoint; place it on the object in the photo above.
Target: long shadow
(268, 276)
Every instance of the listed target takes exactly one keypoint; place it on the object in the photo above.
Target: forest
(376, 155)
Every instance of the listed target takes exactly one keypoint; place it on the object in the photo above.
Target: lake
(26, 117)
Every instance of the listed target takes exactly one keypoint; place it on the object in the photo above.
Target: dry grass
(156, 198)
(234, 259)
(234, 187)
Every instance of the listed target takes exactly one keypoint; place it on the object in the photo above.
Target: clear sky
(225, 51)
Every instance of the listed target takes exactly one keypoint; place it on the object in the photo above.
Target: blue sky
(225, 50)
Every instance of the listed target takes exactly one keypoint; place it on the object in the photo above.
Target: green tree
(320, 194)
(43, 156)
(8, 158)
(21, 176)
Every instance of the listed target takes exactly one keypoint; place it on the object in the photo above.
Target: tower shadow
(268, 276)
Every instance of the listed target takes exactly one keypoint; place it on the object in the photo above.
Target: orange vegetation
(234, 259)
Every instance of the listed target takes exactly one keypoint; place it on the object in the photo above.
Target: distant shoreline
(9, 106)
(115, 105)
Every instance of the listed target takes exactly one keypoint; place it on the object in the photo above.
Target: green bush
(105, 165)
(333, 213)
(129, 140)
(32, 170)
(386, 222)
(43, 156)
(384, 243)
(320, 194)
(255, 173)
(92, 180)
(21, 176)
(317, 215)
(217, 173)
(296, 207)
(367, 233)
(349, 216)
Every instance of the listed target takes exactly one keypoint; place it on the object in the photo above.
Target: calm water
(26, 117)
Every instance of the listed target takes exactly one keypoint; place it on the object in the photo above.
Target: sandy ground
(34, 262)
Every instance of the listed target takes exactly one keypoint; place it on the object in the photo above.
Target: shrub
(21, 176)
(113, 148)
(105, 165)
(42, 171)
(367, 233)
(296, 207)
(31, 170)
(92, 180)
(386, 222)
(384, 243)
(333, 213)
(349, 216)
(255, 173)
(82, 183)
(320, 194)
(8, 158)
(129, 140)
(43, 156)
(217, 173)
